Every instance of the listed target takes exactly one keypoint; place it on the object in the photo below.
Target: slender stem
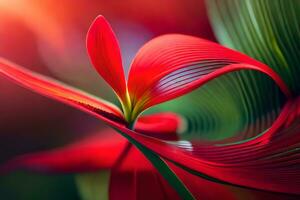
(130, 111)
(131, 125)
(127, 107)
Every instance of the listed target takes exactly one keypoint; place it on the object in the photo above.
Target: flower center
(128, 109)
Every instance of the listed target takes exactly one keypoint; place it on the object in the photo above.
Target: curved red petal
(104, 52)
(268, 162)
(160, 125)
(172, 65)
(61, 92)
(100, 151)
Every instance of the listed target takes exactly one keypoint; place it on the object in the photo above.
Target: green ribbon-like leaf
(163, 168)
(268, 30)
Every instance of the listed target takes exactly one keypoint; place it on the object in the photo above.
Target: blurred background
(49, 37)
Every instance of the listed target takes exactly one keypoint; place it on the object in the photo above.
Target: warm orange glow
(36, 17)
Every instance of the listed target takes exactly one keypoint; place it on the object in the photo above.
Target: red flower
(165, 68)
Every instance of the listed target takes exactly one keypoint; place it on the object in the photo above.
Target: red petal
(134, 177)
(268, 162)
(201, 188)
(206, 189)
(61, 92)
(96, 152)
(104, 52)
(100, 151)
(160, 125)
(172, 65)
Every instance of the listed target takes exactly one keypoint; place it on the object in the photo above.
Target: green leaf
(268, 30)
(163, 168)
(93, 186)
